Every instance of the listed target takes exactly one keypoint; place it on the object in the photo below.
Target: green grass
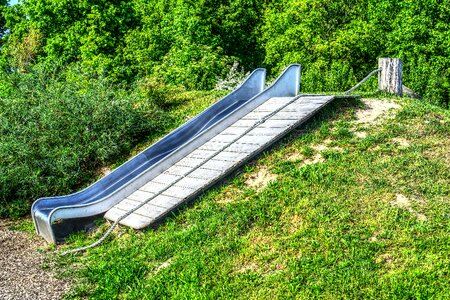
(334, 229)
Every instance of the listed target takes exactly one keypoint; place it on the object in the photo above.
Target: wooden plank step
(230, 156)
(151, 187)
(192, 183)
(166, 178)
(178, 170)
(190, 162)
(234, 130)
(289, 115)
(212, 146)
(134, 220)
(276, 123)
(201, 153)
(141, 195)
(240, 148)
(204, 173)
(165, 201)
(224, 138)
(255, 139)
(245, 123)
(258, 131)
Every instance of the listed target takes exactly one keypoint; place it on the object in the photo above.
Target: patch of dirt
(325, 145)
(251, 266)
(361, 134)
(295, 224)
(373, 110)
(230, 195)
(105, 171)
(401, 141)
(322, 146)
(373, 239)
(403, 202)
(439, 151)
(385, 258)
(161, 267)
(421, 217)
(294, 156)
(314, 160)
(260, 179)
(21, 273)
(260, 256)
(258, 239)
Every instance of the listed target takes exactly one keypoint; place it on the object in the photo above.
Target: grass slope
(353, 210)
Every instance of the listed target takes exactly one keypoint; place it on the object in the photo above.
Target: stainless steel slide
(126, 179)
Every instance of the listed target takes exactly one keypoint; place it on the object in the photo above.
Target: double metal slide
(190, 159)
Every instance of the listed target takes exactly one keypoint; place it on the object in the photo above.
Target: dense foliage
(192, 43)
(55, 135)
(184, 42)
(339, 41)
(59, 122)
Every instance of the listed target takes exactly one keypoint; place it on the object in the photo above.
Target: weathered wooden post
(390, 76)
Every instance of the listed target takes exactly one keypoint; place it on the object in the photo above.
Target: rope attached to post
(362, 81)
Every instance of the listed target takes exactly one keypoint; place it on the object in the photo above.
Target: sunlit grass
(369, 219)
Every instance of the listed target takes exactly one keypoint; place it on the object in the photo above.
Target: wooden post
(390, 77)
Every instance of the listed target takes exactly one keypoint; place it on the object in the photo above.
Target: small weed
(307, 151)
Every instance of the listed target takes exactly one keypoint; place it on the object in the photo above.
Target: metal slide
(267, 118)
(260, 123)
(129, 177)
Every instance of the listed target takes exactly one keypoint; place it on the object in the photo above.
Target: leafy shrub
(338, 42)
(161, 93)
(23, 53)
(55, 134)
(234, 78)
(193, 66)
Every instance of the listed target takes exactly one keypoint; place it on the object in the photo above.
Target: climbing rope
(362, 81)
(114, 225)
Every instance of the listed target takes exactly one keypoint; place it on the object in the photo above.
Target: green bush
(55, 134)
(192, 43)
(338, 42)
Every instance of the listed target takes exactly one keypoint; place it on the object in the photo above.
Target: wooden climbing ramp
(215, 159)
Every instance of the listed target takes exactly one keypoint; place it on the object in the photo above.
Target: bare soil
(22, 262)
(260, 179)
(373, 109)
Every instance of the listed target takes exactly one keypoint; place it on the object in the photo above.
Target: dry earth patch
(260, 179)
(21, 274)
(374, 109)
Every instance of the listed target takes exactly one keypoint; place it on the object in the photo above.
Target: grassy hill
(352, 205)
(355, 204)
(82, 83)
